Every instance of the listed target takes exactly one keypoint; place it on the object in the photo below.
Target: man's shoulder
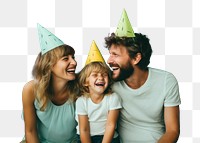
(159, 71)
(118, 87)
(118, 83)
(162, 74)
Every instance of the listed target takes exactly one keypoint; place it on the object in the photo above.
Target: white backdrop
(172, 25)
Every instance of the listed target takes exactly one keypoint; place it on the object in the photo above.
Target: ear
(86, 83)
(137, 58)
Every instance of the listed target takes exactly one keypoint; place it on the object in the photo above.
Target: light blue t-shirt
(57, 123)
(142, 114)
(97, 112)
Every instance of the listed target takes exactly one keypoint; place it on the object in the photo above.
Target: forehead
(117, 49)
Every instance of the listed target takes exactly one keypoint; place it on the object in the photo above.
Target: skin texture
(62, 72)
(118, 61)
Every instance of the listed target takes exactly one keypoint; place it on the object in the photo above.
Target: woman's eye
(65, 58)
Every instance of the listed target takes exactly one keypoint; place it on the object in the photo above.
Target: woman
(48, 100)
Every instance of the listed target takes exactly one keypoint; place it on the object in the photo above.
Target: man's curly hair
(138, 44)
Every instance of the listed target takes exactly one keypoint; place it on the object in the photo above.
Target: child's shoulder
(82, 98)
(113, 95)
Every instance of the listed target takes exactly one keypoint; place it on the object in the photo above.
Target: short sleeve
(172, 96)
(114, 102)
(81, 106)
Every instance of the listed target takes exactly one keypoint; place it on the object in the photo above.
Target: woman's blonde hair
(85, 73)
(42, 74)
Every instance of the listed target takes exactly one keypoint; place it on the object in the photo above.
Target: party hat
(94, 54)
(124, 28)
(48, 40)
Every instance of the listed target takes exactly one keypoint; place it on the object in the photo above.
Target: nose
(100, 77)
(73, 61)
(110, 60)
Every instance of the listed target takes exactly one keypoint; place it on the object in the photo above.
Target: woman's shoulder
(28, 92)
(29, 85)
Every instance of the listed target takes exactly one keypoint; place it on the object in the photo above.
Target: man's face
(120, 62)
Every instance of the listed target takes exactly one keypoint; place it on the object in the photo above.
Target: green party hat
(94, 54)
(124, 28)
(48, 40)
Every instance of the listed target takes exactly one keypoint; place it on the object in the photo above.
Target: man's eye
(114, 54)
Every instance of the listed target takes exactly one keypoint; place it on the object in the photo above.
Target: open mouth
(71, 71)
(100, 84)
(115, 68)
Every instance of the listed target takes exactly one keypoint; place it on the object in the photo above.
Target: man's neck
(137, 79)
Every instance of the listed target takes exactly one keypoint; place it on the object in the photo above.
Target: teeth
(115, 68)
(99, 84)
(71, 70)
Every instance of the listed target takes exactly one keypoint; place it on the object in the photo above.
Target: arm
(29, 113)
(172, 123)
(110, 126)
(84, 129)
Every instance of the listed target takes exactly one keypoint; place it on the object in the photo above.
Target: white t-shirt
(97, 113)
(142, 115)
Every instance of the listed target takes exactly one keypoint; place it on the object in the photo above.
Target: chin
(71, 78)
(115, 78)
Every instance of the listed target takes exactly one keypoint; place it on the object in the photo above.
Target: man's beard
(125, 72)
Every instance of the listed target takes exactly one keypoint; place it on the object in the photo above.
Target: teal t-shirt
(57, 123)
(142, 114)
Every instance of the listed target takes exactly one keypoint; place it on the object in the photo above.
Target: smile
(71, 70)
(100, 84)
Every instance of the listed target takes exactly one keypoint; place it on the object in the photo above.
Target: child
(97, 109)
(48, 100)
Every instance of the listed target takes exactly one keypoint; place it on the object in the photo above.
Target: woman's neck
(60, 94)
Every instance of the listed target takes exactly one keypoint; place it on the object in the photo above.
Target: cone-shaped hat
(48, 40)
(124, 28)
(94, 54)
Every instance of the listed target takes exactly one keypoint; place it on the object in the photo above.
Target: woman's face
(64, 69)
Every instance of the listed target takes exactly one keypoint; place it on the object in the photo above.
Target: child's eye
(94, 75)
(105, 75)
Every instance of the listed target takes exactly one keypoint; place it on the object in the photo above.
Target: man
(150, 97)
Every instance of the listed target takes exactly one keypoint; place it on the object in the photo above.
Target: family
(120, 100)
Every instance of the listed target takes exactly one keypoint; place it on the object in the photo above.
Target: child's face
(97, 83)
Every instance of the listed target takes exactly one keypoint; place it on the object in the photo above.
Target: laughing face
(64, 68)
(120, 62)
(97, 82)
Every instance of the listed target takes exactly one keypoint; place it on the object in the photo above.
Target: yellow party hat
(94, 54)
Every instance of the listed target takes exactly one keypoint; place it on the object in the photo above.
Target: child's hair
(87, 70)
(42, 74)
